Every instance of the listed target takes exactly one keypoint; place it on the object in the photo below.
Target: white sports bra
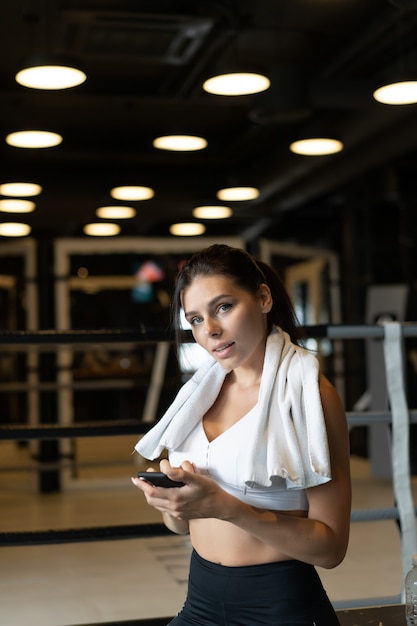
(219, 459)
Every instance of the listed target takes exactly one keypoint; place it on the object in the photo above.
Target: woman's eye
(223, 308)
(195, 320)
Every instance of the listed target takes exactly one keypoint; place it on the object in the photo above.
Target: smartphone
(158, 479)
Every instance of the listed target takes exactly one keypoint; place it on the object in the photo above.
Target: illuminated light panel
(116, 212)
(238, 193)
(187, 229)
(15, 205)
(20, 189)
(180, 143)
(402, 92)
(132, 192)
(101, 230)
(33, 139)
(14, 229)
(317, 146)
(212, 212)
(50, 77)
(236, 84)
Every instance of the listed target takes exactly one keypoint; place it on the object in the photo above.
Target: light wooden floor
(84, 583)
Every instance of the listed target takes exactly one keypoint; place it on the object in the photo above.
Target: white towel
(291, 438)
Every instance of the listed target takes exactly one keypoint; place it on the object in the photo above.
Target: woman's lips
(224, 349)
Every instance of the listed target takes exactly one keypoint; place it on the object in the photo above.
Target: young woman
(259, 437)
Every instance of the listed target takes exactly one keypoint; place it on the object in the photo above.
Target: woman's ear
(265, 297)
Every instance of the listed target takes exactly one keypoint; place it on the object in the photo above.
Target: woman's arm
(322, 537)
(178, 526)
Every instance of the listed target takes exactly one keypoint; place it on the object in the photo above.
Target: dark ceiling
(146, 62)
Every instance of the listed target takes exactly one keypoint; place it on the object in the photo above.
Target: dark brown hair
(248, 273)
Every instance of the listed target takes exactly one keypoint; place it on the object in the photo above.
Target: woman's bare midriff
(224, 543)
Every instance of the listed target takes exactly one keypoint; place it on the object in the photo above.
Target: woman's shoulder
(330, 398)
(325, 385)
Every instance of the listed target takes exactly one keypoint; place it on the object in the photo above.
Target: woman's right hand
(200, 497)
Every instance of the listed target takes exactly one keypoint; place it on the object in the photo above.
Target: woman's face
(228, 321)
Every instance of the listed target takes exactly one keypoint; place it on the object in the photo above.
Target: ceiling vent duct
(166, 39)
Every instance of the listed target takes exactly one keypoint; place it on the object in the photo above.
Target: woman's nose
(211, 327)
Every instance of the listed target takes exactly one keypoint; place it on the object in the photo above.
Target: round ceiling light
(20, 189)
(237, 194)
(16, 205)
(116, 212)
(401, 92)
(53, 76)
(132, 192)
(187, 229)
(14, 229)
(236, 84)
(180, 143)
(212, 212)
(101, 229)
(317, 146)
(33, 139)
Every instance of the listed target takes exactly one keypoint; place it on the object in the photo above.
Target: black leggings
(286, 593)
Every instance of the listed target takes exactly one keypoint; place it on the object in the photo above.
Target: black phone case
(158, 479)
